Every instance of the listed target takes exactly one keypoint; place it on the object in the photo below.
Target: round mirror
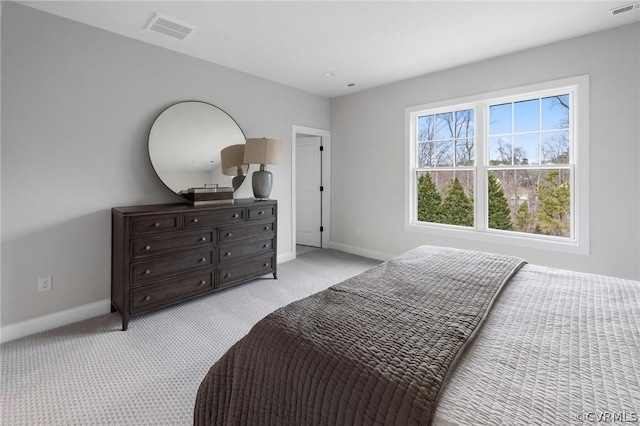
(185, 142)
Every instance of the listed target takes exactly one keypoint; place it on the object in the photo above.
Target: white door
(308, 194)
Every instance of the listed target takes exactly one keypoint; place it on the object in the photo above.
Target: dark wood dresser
(165, 254)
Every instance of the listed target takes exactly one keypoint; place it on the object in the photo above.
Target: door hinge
(322, 229)
(321, 188)
(321, 148)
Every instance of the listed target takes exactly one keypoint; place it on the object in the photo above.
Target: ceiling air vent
(623, 9)
(169, 27)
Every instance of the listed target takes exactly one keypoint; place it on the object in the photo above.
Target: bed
(438, 336)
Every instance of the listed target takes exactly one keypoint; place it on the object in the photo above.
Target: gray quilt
(372, 350)
(559, 348)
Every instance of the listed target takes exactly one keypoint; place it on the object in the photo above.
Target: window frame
(578, 242)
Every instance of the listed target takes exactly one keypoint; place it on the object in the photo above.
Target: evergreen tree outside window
(429, 199)
(499, 211)
(524, 219)
(456, 208)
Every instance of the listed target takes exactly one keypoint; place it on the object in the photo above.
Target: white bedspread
(559, 348)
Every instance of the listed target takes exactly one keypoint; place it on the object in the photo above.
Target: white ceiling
(367, 43)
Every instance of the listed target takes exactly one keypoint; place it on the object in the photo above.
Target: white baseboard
(55, 320)
(69, 316)
(80, 313)
(285, 257)
(371, 254)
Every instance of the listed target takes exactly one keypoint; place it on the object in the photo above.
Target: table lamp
(262, 151)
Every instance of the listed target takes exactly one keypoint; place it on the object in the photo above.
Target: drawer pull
(265, 246)
(203, 238)
(147, 271)
(235, 216)
(195, 220)
(147, 247)
(228, 253)
(228, 234)
(261, 212)
(265, 265)
(147, 298)
(203, 282)
(227, 275)
(266, 228)
(203, 259)
(156, 224)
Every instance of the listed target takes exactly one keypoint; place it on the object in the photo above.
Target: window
(502, 166)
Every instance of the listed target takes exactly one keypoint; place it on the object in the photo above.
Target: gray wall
(368, 145)
(77, 105)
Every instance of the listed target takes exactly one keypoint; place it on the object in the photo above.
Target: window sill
(559, 244)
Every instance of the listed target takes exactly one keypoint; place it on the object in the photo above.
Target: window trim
(579, 168)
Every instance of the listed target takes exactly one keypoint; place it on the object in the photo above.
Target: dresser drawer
(253, 268)
(155, 223)
(230, 253)
(149, 246)
(234, 233)
(261, 212)
(152, 296)
(208, 219)
(166, 266)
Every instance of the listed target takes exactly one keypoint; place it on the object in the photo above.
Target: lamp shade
(232, 157)
(263, 151)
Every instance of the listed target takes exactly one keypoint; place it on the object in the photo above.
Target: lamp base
(262, 182)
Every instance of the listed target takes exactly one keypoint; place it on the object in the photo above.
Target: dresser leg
(125, 318)
(275, 275)
(125, 322)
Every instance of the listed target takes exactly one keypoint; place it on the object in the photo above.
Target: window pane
(555, 147)
(464, 152)
(538, 201)
(464, 123)
(444, 126)
(426, 154)
(444, 153)
(526, 148)
(500, 119)
(500, 150)
(555, 112)
(445, 197)
(526, 115)
(426, 126)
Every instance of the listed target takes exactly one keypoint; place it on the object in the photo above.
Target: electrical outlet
(44, 284)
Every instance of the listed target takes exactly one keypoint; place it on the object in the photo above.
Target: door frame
(325, 135)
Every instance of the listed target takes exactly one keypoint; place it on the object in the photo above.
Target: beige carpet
(92, 373)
